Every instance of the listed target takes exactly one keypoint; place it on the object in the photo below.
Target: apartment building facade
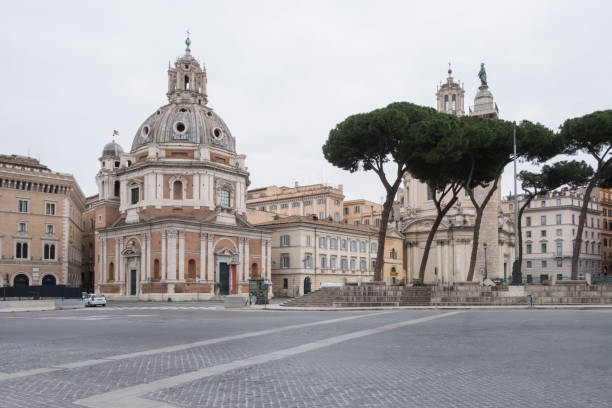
(549, 227)
(362, 212)
(308, 252)
(41, 226)
(317, 199)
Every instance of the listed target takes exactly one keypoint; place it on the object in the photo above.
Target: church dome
(186, 119)
(112, 149)
(184, 123)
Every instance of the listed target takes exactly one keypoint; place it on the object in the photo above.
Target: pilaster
(181, 255)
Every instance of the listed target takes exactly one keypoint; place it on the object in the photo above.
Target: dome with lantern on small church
(186, 118)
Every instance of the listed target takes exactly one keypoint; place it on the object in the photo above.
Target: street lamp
(485, 248)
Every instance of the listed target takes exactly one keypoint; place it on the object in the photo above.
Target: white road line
(179, 347)
(131, 396)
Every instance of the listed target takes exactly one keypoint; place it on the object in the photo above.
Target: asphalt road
(199, 355)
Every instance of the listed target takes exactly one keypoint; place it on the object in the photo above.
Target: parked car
(94, 299)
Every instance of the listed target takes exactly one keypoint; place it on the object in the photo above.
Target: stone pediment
(422, 225)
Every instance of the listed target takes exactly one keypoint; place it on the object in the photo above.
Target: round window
(179, 127)
(217, 133)
(209, 113)
(145, 131)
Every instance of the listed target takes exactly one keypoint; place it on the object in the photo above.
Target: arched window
(18, 250)
(254, 272)
(191, 269)
(156, 272)
(46, 251)
(52, 251)
(177, 189)
(49, 280)
(111, 272)
(24, 250)
(186, 82)
(117, 187)
(21, 280)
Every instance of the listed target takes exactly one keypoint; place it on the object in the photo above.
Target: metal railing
(41, 292)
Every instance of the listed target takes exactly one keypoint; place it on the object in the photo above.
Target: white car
(94, 299)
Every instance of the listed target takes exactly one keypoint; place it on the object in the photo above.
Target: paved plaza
(200, 355)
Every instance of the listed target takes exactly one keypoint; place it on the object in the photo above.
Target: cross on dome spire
(450, 71)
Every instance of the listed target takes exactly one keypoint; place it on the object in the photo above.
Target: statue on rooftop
(482, 75)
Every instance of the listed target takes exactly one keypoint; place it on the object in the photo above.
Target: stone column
(148, 269)
(202, 256)
(438, 260)
(269, 260)
(164, 275)
(102, 277)
(121, 266)
(172, 235)
(263, 259)
(240, 266)
(181, 256)
(247, 259)
(210, 272)
(143, 258)
(196, 191)
(117, 260)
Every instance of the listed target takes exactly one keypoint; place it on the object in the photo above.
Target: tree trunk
(434, 228)
(479, 212)
(382, 232)
(581, 220)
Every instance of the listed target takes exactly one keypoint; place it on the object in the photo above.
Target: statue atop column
(482, 75)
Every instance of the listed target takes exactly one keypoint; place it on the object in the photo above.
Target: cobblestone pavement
(408, 358)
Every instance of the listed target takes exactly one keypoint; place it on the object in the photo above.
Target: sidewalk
(509, 307)
(39, 305)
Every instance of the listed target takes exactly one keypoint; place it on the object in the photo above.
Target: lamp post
(485, 249)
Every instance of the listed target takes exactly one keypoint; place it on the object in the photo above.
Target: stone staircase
(416, 296)
(560, 294)
(365, 295)
(323, 297)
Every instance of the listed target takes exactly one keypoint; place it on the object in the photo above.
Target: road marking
(131, 396)
(179, 347)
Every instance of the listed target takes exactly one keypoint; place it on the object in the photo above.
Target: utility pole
(517, 279)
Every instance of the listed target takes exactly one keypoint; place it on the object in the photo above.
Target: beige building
(41, 226)
(170, 216)
(549, 228)
(394, 270)
(362, 212)
(415, 212)
(308, 252)
(605, 200)
(316, 199)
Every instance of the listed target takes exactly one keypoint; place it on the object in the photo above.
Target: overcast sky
(282, 74)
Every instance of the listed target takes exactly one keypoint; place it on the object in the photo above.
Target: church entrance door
(133, 282)
(224, 278)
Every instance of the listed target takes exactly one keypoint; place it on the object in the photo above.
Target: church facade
(170, 216)
(449, 257)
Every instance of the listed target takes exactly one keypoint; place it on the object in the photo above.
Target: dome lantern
(187, 80)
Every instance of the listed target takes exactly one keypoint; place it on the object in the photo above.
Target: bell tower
(187, 80)
(450, 96)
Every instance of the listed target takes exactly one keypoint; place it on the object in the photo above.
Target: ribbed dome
(184, 123)
(112, 149)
